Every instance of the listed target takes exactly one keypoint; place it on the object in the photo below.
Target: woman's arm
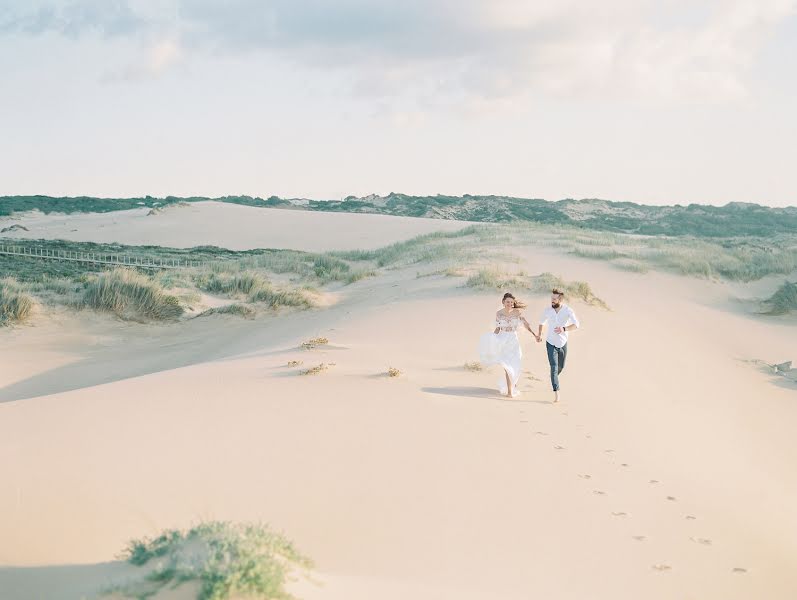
(531, 331)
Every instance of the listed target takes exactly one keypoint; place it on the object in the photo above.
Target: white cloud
(447, 51)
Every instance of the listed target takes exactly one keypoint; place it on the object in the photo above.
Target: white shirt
(554, 319)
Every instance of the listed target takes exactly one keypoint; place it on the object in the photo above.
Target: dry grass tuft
(295, 363)
(314, 343)
(128, 294)
(15, 305)
(473, 366)
(393, 372)
(318, 369)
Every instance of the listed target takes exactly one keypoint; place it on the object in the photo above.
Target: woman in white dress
(502, 346)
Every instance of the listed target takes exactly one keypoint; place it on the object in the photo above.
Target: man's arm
(574, 324)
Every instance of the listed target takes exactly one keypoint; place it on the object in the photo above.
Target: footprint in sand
(739, 570)
(672, 498)
(585, 476)
(559, 447)
(523, 421)
(608, 451)
(541, 432)
(690, 517)
(619, 514)
(703, 541)
(599, 492)
(589, 437)
(662, 567)
(653, 481)
(625, 465)
(640, 538)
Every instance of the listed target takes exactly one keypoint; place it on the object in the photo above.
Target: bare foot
(555, 397)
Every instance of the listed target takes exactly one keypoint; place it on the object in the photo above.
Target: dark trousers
(556, 358)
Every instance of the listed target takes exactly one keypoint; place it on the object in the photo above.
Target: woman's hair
(518, 303)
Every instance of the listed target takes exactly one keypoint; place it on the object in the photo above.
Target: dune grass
(493, 278)
(16, 306)
(239, 310)
(252, 286)
(394, 372)
(314, 343)
(473, 366)
(130, 295)
(316, 370)
(783, 301)
(226, 560)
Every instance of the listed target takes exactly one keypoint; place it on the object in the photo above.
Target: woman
(502, 346)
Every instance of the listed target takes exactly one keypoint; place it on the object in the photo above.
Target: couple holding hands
(502, 347)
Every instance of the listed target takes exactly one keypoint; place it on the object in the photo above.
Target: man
(560, 319)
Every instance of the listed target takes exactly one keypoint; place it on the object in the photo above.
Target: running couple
(502, 346)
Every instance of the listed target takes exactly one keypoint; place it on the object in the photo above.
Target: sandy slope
(428, 486)
(232, 226)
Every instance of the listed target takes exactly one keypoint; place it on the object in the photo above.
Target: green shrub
(15, 305)
(227, 560)
(784, 300)
(128, 293)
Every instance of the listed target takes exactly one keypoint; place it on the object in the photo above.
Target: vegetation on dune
(543, 283)
(733, 219)
(226, 560)
(318, 369)
(240, 310)
(15, 305)
(783, 301)
(129, 294)
(314, 343)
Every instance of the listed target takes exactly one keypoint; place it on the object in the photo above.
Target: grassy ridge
(733, 219)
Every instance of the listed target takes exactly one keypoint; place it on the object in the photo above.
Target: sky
(655, 102)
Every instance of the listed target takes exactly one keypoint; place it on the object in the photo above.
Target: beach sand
(666, 472)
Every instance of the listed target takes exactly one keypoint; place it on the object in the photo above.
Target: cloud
(154, 62)
(456, 50)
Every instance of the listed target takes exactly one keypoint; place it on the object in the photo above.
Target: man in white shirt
(560, 319)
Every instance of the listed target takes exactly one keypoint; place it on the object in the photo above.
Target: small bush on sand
(314, 343)
(226, 560)
(316, 369)
(784, 300)
(393, 372)
(295, 363)
(473, 366)
(494, 279)
(15, 305)
(128, 293)
(240, 310)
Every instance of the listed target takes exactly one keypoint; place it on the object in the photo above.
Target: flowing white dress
(503, 348)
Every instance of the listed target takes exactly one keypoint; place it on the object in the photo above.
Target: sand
(232, 226)
(666, 472)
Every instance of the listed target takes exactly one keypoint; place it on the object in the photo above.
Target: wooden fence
(100, 258)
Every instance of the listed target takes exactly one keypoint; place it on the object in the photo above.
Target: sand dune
(232, 226)
(667, 472)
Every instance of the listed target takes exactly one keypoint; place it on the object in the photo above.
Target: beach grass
(316, 370)
(239, 310)
(314, 343)
(129, 294)
(226, 560)
(783, 301)
(16, 306)
(495, 279)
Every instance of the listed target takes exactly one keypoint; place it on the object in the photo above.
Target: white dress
(503, 348)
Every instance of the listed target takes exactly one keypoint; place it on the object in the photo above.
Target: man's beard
(555, 305)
